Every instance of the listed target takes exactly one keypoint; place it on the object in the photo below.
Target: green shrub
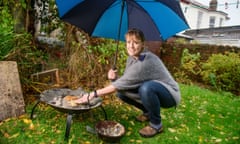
(190, 68)
(106, 53)
(6, 34)
(18, 47)
(89, 61)
(223, 71)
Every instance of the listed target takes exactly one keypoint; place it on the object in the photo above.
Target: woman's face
(134, 46)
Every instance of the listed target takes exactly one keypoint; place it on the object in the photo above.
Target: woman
(145, 84)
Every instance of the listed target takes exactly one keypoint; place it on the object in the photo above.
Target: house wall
(191, 12)
(217, 36)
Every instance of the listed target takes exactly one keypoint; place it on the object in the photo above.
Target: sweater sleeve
(130, 78)
(138, 71)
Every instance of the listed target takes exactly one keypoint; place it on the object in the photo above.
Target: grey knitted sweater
(147, 67)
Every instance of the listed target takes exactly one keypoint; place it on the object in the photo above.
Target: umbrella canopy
(158, 19)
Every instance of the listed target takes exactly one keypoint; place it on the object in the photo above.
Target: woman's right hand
(84, 99)
(112, 74)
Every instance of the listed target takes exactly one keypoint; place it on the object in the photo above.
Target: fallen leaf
(218, 140)
(27, 121)
(14, 136)
(200, 139)
(172, 130)
(176, 138)
(131, 140)
(6, 135)
(31, 126)
(128, 133)
(132, 123)
(8, 119)
(163, 116)
(235, 138)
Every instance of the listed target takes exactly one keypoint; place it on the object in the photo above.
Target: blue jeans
(153, 95)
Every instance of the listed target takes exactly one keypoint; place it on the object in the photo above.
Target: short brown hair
(137, 32)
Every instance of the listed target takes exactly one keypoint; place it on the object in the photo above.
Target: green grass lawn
(202, 117)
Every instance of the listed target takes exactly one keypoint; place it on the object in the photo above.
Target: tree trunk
(19, 17)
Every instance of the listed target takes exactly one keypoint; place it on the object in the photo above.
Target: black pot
(110, 131)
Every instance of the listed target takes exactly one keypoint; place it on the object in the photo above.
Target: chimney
(213, 5)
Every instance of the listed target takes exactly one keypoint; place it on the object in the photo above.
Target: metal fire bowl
(55, 98)
(110, 131)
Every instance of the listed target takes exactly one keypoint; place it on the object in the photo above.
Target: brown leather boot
(149, 131)
(142, 118)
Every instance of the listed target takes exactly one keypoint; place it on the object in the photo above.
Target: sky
(232, 10)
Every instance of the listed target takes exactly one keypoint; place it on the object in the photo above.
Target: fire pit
(62, 100)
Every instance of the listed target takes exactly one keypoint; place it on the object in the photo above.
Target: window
(220, 22)
(199, 19)
(185, 9)
(212, 22)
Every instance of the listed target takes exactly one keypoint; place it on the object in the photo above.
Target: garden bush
(223, 72)
(93, 59)
(6, 34)
(18, 47)
(190, 68)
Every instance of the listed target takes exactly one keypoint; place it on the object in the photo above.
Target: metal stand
(34, 107)
(68, 126)
(69, 119)
(69, 122)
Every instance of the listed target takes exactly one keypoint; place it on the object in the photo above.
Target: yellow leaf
(27, 121)
(235, 138)
(198, 127)
(163, 116)
(183, 105)
(139, 141)
(14, 136)
(176, 138)
(8, 119)
(131, 140)
(31, 126)
(132, 123)
(124, 116)
(129, 108)
(218, 140)
(22, 116)
(172, 130)
(200, 139)
(6, 135)
(128, 133)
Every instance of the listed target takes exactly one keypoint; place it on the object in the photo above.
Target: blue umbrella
(158, 19)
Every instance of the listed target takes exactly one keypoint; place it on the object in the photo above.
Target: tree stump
(12, 102)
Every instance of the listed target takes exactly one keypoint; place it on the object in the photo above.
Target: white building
(201, 16)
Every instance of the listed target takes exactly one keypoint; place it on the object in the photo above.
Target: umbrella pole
(118, 36)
